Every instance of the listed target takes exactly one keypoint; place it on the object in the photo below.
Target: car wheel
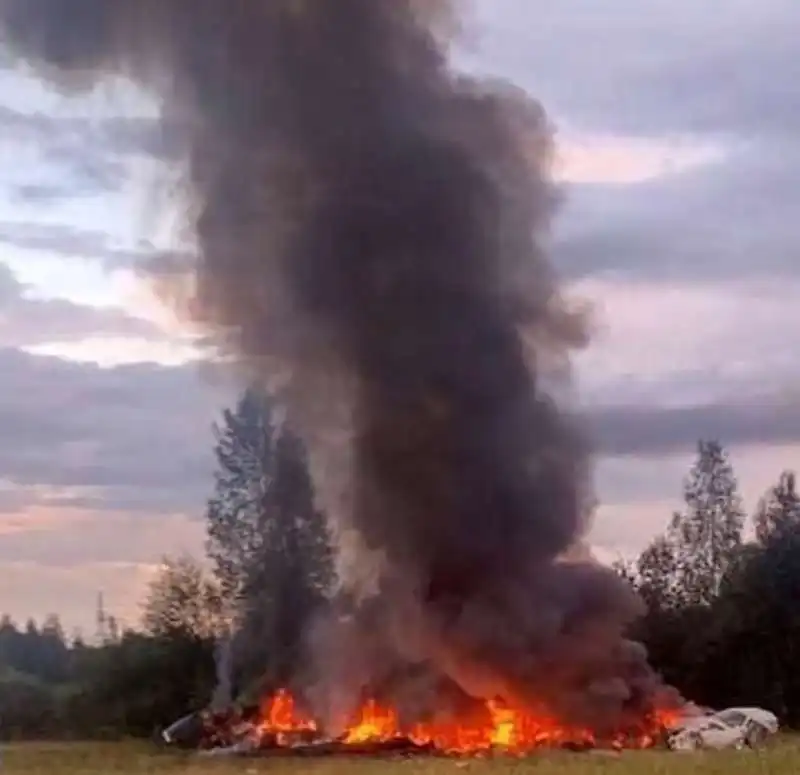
(755, 737)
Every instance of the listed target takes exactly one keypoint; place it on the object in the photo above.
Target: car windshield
(732, 717)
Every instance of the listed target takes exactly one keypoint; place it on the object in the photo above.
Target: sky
(680, 167)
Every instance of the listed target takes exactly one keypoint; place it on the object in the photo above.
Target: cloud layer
(135, 437)
(27, 321)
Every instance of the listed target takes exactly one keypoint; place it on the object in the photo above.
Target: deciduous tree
(707, 534)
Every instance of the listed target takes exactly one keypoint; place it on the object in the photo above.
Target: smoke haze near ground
(368, 227)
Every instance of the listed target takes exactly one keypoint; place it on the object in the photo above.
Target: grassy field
(780, 758)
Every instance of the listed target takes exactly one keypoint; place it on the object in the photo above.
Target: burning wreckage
(279, 727)
(367, 228)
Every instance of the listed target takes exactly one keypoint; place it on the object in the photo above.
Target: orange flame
(374, 723)
(503, 728)
(504, 721)
(281, 717)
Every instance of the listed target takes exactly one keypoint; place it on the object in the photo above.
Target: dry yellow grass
(780, 758)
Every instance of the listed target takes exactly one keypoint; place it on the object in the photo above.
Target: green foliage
(25, 702)
(122, 687)
(779, 510)
(236, 520)
(707, 535)
(145, 682)
(271, 567)
(723, 615)
(268, 541)
(183, 600)
(39, 652)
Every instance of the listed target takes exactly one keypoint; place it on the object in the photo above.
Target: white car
(730, 728)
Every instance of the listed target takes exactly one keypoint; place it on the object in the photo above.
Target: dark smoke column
(366, 224)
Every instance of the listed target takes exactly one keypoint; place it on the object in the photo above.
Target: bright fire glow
(501, 728)
(281, 717)
(504, 725)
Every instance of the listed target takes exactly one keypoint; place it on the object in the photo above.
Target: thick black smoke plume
(366, 223)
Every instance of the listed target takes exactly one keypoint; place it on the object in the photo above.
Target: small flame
(281, 717)
(505, 722)
(375, 723)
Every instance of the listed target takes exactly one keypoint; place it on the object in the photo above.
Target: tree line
(721, 592)
(268, 568)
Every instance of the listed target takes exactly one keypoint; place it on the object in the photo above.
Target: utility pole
(102, 621)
